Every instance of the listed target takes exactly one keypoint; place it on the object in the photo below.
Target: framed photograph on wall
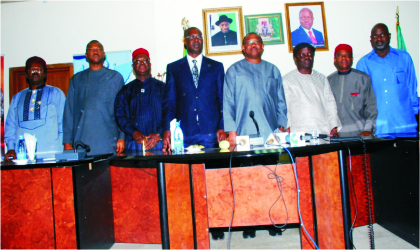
(268, 26)
(306, 23)
(223, 31)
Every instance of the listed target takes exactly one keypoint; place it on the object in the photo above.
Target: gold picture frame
(216, 42)
(318, 26)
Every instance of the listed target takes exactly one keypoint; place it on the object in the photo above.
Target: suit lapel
(205, 68)
(185, 67)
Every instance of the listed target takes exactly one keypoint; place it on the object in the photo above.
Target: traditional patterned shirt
(395, 85)
(356, 102)
(138, 107)
(38, 112)
(310, 103)
(257, 87)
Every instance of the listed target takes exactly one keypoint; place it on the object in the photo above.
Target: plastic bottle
(178, 139)
(21, 149)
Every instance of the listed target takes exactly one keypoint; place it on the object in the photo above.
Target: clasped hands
(150, 141)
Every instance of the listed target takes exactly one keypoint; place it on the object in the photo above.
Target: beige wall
(55, 30)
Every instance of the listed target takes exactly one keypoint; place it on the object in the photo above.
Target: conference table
(174, 200)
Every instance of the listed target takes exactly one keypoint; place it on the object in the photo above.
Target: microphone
(251, 114)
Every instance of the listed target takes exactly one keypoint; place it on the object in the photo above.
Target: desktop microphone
(251, 114)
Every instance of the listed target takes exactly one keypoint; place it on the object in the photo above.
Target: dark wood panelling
(65, 228)
(305, 202)
(255, 192)
(178, 197)
(328, 201)
(135, 195)
(200, 207)
(26, 209)
(358, 172)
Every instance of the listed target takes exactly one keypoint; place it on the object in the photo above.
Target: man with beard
(394, 83)
(138, 107)
(194, 95)
(356, 102)
(89, 111)
(310, 103)
(37, 110)
(225, 36)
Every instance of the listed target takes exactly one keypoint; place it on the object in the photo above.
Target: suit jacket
(300, 36)
(183, 101)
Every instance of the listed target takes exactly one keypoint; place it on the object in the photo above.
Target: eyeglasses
(36, 70)
(139, 61)
(194, 37)
(383, 35)
(306, 18)
(253, 41)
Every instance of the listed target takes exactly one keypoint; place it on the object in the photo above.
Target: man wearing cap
(305, 33)
(253, 84)
(394, 82)
(89, 111)
(225, 36)
(310, 103)
(352, 89)
(194, 95)
(37, 110)
(139, 105)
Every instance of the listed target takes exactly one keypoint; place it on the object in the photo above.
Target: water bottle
(178, 139)
(21, 149)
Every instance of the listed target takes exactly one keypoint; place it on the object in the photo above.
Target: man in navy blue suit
(194, 95)
(305, 33)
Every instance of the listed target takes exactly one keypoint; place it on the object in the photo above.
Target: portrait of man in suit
(194, 95)
(306, 33)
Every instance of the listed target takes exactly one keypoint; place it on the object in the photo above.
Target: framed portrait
(268, 26)
(223, 31)
(306, 23)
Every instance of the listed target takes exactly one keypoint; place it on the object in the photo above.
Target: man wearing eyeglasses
(138, 107)
(194, 95)
(305, 33)
(394, 82)
(89, 112)
(253, 84)
(37, 110)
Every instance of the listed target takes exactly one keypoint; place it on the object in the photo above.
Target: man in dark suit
(194, 95)
(225, 36)
(305, 33)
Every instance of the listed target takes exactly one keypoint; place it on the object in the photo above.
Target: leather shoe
(274, 231)
(248, 234)
(218, 235)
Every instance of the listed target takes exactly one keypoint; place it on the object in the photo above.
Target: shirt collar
(39, 87)
(344, 73)
(391, 50)
(199, 59)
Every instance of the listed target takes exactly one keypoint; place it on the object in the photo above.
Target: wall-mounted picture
(306, 24)
(223, 31)
(268, 26)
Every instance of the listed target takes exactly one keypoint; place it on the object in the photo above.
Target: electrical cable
(148, 172)
(298, 196)
(355, 199)
(279, 182)
(371, 233)
(233, 194)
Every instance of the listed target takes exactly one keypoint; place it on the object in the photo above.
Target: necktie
(313, 39)
(195, 73)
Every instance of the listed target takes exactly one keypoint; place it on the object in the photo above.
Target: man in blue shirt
(37, 110)
(138, 107)
(194, 95)
(394, 83)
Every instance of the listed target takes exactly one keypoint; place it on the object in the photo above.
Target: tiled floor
(291, 240)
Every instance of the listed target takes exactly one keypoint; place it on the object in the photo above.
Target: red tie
(313, 39)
